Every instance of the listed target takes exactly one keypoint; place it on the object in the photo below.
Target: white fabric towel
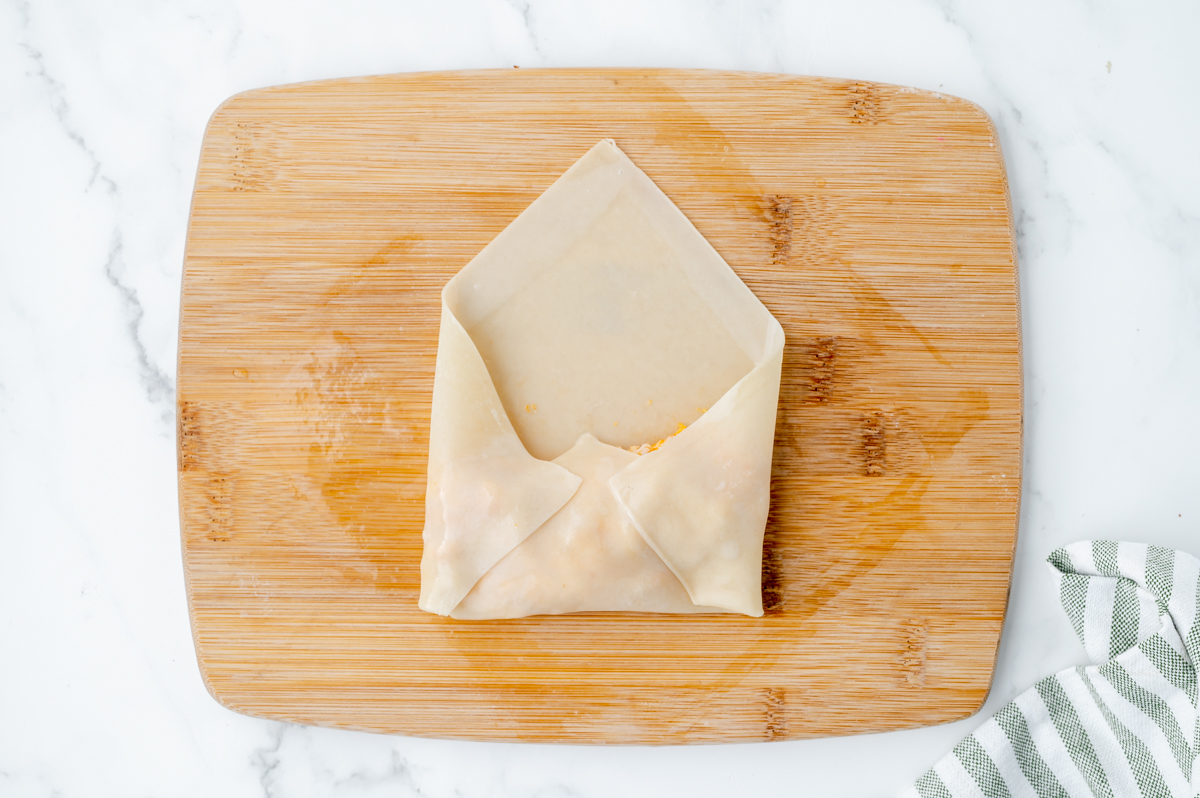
(1122, 727)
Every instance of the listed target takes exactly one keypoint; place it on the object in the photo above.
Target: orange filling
(646, 448)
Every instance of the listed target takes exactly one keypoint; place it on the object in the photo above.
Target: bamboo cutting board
(873, 221)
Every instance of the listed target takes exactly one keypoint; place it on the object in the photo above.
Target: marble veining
(104, 110)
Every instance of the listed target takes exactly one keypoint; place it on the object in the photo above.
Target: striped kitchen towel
(1122, 727)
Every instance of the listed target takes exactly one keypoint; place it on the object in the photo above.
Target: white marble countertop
(104, 106)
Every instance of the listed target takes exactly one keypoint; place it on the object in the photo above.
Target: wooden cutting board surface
(872, 220)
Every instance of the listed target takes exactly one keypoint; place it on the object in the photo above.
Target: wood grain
(872, 220)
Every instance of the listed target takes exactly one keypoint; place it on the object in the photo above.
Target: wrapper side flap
(701, 500)
(486, 493)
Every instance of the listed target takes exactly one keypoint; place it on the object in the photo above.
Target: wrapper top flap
(596, 310)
